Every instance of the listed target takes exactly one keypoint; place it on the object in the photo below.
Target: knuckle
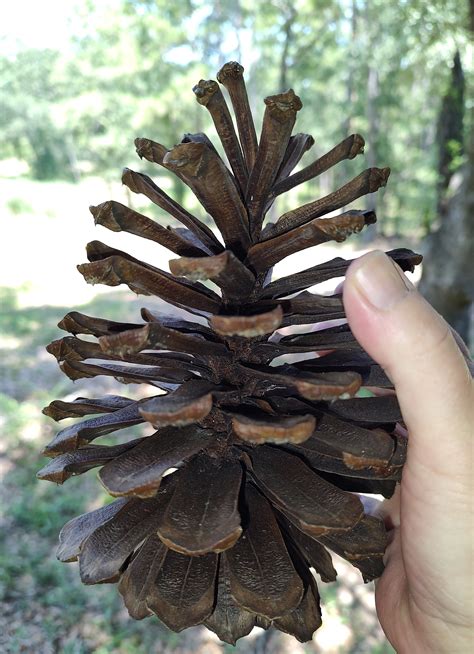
(432, 341)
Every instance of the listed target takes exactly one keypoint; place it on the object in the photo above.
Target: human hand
(425, 597)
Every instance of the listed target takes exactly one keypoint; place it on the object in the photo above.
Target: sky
(50, 24)
(35, 24)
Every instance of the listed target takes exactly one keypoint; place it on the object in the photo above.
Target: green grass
(18, 206)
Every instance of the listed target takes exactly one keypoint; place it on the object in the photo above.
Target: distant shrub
(17, 206)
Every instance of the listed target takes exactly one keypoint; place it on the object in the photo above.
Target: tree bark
(373, 90)
(448, 273)
(288, 37)
(450, 131)
(350, 89)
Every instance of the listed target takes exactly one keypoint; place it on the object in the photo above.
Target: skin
(425, 597)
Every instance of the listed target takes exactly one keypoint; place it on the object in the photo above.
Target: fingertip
(376, 281)
(412, 342)
(372, 288)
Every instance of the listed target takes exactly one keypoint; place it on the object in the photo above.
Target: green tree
(29, 89)
(368, 66)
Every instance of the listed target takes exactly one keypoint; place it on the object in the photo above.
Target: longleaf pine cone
(225, 513)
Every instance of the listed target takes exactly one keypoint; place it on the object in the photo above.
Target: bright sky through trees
(35, 24)
(51, 24)
(79, 79)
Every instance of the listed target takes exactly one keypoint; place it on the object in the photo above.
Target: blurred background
(79, 80)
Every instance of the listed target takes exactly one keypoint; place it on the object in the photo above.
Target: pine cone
(266, 458)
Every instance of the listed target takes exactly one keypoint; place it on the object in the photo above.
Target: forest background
(79, 80)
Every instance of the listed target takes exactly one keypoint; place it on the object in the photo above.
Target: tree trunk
(448, 273)
(350, 89)
(450, 131)
(288, 37)
(373, 90)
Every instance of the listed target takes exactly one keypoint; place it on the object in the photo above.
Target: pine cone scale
(139, 470)
(203, 515)
(184, 588)
(254, 560)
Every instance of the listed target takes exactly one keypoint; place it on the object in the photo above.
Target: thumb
(415, 346)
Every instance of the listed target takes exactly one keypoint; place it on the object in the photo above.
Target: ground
(44, 607)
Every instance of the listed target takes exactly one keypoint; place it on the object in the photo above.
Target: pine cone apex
(357, 146)
(230, 71)
(283, 105)
(205, 90)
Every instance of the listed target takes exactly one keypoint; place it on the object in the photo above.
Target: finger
(389, 510)
(390, 590)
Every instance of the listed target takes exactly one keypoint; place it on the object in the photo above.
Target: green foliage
(10, 321)
(371, 66)
(18, 206)
(29, 89)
